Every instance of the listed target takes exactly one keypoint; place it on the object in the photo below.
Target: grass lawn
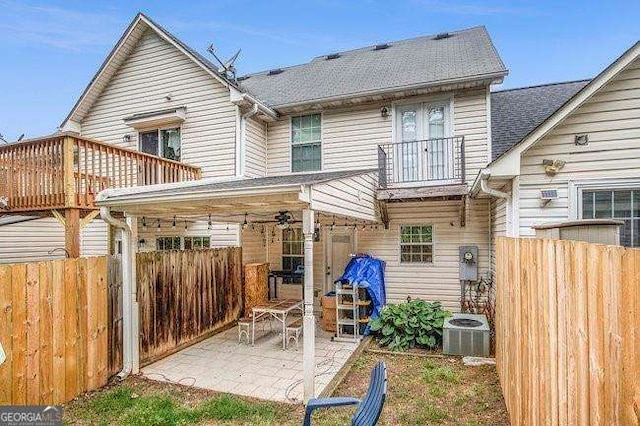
(439, 391)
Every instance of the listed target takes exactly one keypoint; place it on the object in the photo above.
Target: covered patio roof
(342, 193)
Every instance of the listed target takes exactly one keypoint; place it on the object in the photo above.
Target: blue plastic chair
(369, 409)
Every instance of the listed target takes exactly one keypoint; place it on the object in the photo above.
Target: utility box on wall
(468, 263)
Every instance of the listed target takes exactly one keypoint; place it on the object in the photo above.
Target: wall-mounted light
(384, 111)
(582, 140)
(126, 138)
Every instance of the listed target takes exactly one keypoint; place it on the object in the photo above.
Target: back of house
(419, 114)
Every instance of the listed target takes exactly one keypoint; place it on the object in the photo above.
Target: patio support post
(309, 329)
(132, 223)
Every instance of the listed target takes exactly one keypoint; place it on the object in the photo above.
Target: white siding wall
(352, 197)
(611, 118)
(94, 238)
(350, 136)
(440, 280)
(154, 70)
(256, 148)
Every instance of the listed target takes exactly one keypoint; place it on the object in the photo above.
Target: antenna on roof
(3, 140)
(226, 67)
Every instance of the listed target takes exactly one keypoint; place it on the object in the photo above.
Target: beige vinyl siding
(440, 280)
(350, 136)
(94, 238)
(352, 196)
(31, 241)
(255, 148)
(470, 121)
(154, 70)
(499, 220)
(611, 118)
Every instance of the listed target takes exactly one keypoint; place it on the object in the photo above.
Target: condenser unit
(467, 335)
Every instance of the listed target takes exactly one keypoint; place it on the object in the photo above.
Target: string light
(245, 224)
(158, 225)
(144, 223)
(185, 224)
(174, 222)
(209, 223)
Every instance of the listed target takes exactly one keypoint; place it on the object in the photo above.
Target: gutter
(481, 185)
(260, 106)
(130, 335)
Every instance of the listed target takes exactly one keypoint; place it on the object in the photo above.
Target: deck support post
(72, 232)
(130, 240)
(309, 327)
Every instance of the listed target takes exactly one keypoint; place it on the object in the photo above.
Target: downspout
(490, 191)
(128, 295)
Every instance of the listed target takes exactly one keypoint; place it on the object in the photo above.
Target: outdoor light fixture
(384, 111)
(582, 140)
(283, 218)
(126, 138)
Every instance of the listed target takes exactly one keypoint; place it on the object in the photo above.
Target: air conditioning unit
(466, 335)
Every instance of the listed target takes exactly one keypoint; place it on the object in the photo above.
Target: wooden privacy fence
(53, 327)
(567, 332)
(186, 295)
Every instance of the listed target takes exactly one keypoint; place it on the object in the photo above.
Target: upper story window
(163, 143)
(306, 143)
(620, 204)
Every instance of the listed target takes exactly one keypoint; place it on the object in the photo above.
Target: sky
(50, 50)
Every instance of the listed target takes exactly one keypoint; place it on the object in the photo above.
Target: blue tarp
(368, 272)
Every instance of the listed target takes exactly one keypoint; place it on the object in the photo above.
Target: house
(403, 148)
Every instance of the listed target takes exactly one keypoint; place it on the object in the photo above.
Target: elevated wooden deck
(68, 171)
(61, 175)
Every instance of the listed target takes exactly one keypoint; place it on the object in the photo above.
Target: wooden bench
(293, 331)
(369, 409)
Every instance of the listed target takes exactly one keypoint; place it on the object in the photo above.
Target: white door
(339, 248)
(440, 151)
(407, 152)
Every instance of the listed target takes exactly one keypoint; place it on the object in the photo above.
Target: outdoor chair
(369, 409)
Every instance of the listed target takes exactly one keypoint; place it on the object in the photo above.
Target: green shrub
(410, 324)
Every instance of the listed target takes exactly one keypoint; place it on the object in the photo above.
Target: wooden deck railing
(69, 171)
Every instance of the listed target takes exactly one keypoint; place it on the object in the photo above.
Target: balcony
(68, 172)
(435, 164)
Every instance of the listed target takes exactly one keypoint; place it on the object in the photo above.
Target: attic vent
(442, 36)
(275, 71)
(333, 56)
(244, 77)
(381, 46)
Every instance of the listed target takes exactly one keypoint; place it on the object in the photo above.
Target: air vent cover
(333, 56)
(467, 335)
(381, 46)
(276, 71)
(442, 36)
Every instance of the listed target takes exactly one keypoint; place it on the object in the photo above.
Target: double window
(163, 143)
(416, 244)
(619, 204)
(182, 243)
(306, 143)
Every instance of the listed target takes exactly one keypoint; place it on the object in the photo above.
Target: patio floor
(264, 371)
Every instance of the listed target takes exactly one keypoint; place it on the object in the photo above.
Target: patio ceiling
(348, 194)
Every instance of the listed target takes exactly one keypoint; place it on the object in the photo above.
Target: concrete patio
(264, 371)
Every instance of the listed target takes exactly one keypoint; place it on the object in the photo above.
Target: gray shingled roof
(516, 112)
(415, 62)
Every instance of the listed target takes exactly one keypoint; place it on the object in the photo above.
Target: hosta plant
(416, 323)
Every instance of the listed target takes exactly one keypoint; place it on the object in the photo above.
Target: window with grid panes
(306, 143)
(182, 243)
(416, 244)
(292, 250)
(619, 204)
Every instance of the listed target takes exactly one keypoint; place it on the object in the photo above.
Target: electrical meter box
(468, 263)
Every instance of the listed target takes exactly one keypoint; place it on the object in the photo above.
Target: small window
(619, 204)
(416, 244)
(182, 243)
(306, 143)
(163, 143)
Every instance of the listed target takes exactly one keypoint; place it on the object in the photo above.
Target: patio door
(340, 246)
(408, 153)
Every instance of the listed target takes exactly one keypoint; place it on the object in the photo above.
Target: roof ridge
(368, 46)
(542, 85)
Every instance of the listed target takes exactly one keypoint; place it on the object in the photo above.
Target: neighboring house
(388, 140)
(591, 130)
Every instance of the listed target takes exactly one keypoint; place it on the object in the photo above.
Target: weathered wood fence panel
(185, 295)
(53, 328)
(568, 332)
(114, 313)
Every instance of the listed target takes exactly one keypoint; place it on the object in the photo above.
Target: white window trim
(321, 142)
(158, 129)
(433, 244)
(576, 187)
(182, 237)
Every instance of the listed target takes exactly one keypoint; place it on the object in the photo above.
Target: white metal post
(132, 223)
(309, 328)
